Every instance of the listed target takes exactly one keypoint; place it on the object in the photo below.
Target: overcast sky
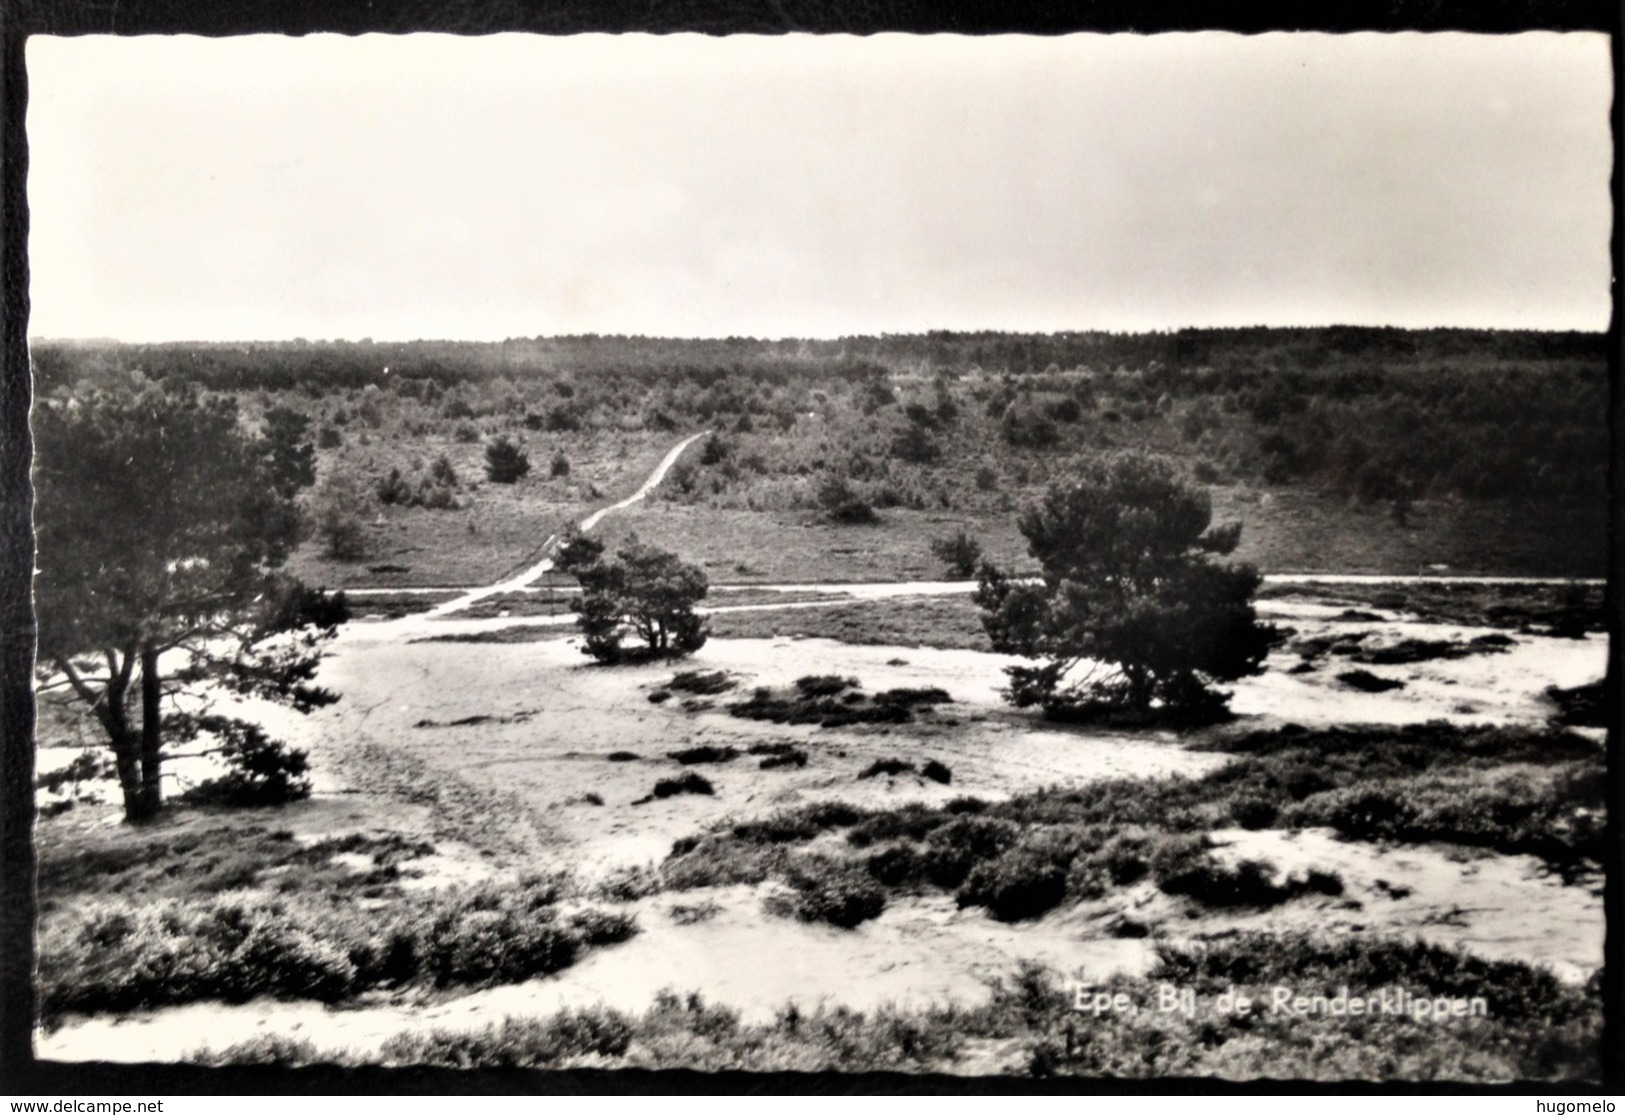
(431, 186)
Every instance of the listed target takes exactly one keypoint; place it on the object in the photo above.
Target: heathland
(824, 841)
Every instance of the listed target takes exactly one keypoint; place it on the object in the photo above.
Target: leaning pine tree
(161, 528)
(1131, 612)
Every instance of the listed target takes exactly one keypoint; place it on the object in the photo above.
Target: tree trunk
(152, 788)
(125, 742)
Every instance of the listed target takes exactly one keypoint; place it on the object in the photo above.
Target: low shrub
(824, 685)
(705, 753)
(793, 826)
(1367, 682)
(791, 758)
(1582, 706)
(951, 850)
(1024, 881)
(701, 682)
(1253, 812)
(830, 891)
(913, 697)
(689, 783)
(267, 1049)
(959, 552)
(896, 865)
(937, 772)
(888, 766)
(517, 1042)
(913, 821)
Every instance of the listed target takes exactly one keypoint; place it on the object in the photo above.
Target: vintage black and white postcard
(1008, 556)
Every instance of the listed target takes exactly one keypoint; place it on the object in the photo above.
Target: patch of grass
(209, 858)
(912, 821)
(913, 697)
(590, 1033)
(122, 955)
(267, 1049)
(627, 884)
(1508, 789)
(701, 682)
(518, 633)
(685, 914)
(794, 757)
(830, 701)
(952, 849)
(1535, 1028)
(931, 621)
(623, 757)
(937, 771)
(1558, 817)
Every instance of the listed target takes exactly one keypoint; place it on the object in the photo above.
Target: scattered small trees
(644, 590)
(338, 510)
(841, 503)
(506, 462)
(1128, 587)
(959, 552)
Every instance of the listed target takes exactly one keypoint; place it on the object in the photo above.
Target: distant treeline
(964, 419)
(286, 364)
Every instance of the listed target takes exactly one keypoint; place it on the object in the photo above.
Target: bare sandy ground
(553, 718)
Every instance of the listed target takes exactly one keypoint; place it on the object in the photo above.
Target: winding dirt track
(525, 578)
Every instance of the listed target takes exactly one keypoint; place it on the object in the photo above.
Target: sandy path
(522, 580)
